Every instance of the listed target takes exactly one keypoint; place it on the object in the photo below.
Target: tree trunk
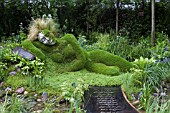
(117, 17)
(153, 23)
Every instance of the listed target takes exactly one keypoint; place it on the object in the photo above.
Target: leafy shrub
(162, 50)
(141, 48)
(74, 94)
(8, 59)
(3, 68)
(120, 46)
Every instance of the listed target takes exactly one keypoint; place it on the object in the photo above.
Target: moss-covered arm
(80, 60)
(27, 44)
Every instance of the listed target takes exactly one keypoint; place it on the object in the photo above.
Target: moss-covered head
(39, 25)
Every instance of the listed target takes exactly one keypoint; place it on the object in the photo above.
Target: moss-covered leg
(102, 68)
(28, 45)
(100, 56)
(80, 58)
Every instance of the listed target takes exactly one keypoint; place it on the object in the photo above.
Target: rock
(163, 94)
(157, 90)
(155, 94)
(38, 100)
(25, 54)
(20, 90)
(168, 85)
(2, 93)
(25, 92)
(8, 89)
(18, 69)
(1, 84)
(12, 73)
(44, 96)
(39, 111)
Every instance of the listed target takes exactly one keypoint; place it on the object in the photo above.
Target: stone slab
(107, 99)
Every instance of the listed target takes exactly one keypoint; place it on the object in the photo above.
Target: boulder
(24, 53)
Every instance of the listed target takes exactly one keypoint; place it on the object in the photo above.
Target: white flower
(72, 100)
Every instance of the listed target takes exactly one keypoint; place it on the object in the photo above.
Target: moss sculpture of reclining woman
(66, 51)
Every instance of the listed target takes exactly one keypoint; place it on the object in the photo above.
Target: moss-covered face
(46, 37)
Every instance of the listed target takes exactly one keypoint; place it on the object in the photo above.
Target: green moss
(48, 34)
(100, 56)
(16, 81)
(42, 46)
(89, 78)
(80, 60)
(102, 68)
(68, 52)
(31, 48)
(57, 57)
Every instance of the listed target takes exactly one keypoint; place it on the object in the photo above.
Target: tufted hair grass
(40, 24)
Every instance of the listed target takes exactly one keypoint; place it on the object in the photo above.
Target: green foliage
(36, 66)
(74, 94)
(12, 106)
(161, 50)
(3, 68)
(103, 41)
(148, 74)
(86, 16)
(6, 58)
(146, 95)
(155, 106)
(119, 45)
(141, 48)
(129, 85)
(11, 62)
(156, 73)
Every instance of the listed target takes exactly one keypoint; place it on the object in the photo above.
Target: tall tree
(117, 17)
(153, 23)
